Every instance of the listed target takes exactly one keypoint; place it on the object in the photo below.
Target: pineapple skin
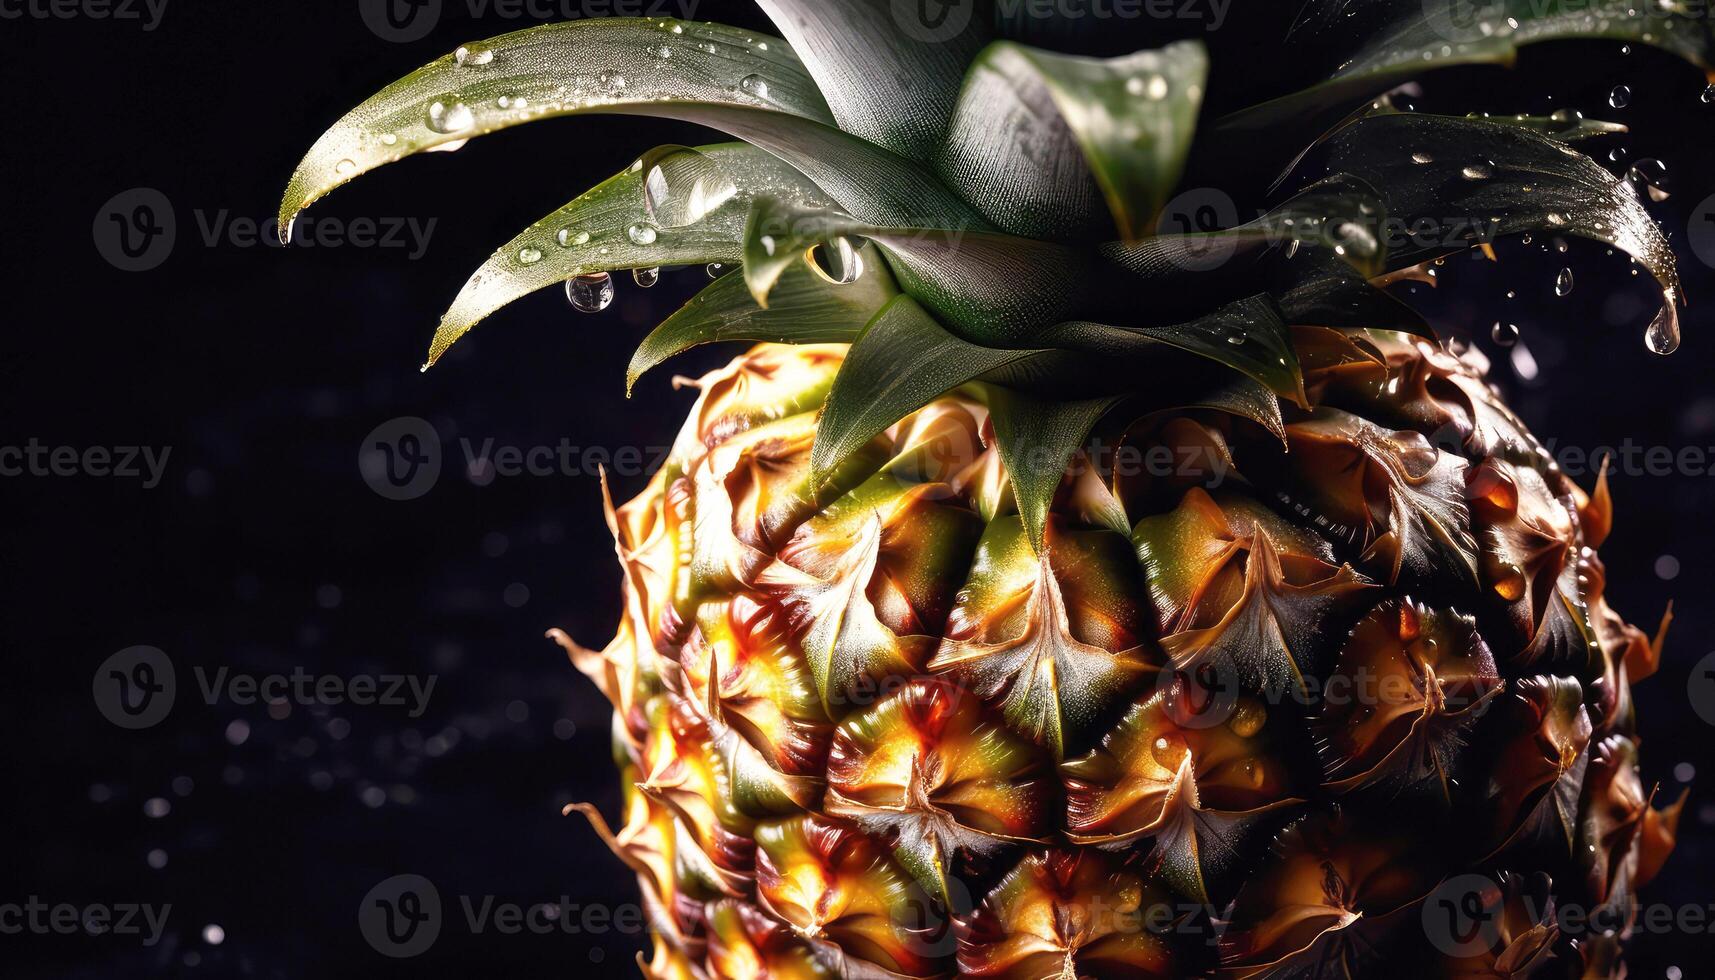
(1254, 710)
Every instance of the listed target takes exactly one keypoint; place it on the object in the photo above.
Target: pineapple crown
(910, 187)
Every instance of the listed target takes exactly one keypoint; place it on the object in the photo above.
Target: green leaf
(1035, 132)
(890, 70)
(1248, 336)
(901, 362)
(613, 65)
(694, 216)
(804, 309)
(593, 65)
(1471, 180)
(1388, 42)
(1037, 438)
(991, 287)
(1340, 214)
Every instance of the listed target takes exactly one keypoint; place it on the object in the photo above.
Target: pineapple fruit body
(1252, 709)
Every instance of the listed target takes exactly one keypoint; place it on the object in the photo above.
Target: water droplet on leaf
(681, 186)
(754, 86)
(590, 293)
(450, 119)
(468, 56)
(529, 255)
(567, 237)
(641, 234)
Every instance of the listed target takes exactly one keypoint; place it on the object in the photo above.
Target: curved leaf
(1473, 179)
(1036, 438)
(613, 65)
(890, 70)
(1388, 42)
(804, 309)
(593, 65)
(615, 226)
(991, 287)
(1027, 118)
(901, 362)
(1248, 336)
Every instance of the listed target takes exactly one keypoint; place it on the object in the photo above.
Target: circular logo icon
(400, 21)
(401, 917)
(1700, 688)
(1466, 21)
(933, 21)
(400, 459)
(1701, 234)
(135, 230)
(135, 687)
(1461, 917)
(1201, 696)
(1186, 226)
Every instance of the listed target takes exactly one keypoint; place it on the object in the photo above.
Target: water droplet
(1566, 117)
(611, 81)
(468, 56)
(1421, 157)
(1648, 177)
(1709, 93)
(1556, 218)
(568, 238)
(646, 277)
(344, 167)
(1625, 49)
(590, 293)
(450, 119)
(641, 234)
(754, 86)
(1237, 338)
(716, 269)
(1504, 334)
(1662, 336)
(1481, 170)
(388, 139)
(451, 146)
(1620, 97)
(529, 255)
(837, 261)
(1152, 87)
(1563, 283)
(681, 186)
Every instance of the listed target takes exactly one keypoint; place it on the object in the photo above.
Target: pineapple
(1056, 591)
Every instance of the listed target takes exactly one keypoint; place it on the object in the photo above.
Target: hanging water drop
(681, 186)
(1504, 334)
(1563, 283)
(590, 293)
(1648, 177)
(1620, 97)
(1708, 95)
(641, 234)
(450, 119)
(837, 261)
(646, 277)
(1662, 335)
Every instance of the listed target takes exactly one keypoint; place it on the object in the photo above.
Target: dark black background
(264, 550)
